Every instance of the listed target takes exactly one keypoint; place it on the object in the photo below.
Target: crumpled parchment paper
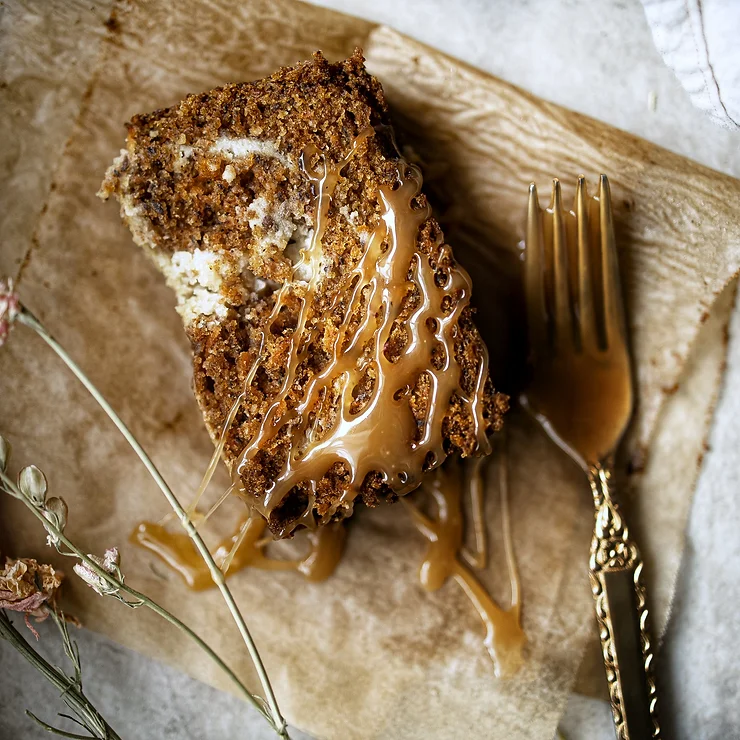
(366, 654)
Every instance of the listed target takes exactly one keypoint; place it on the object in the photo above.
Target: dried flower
(111, 560)
(10, 307)
(109, 563)
(55, 512)
(28, 586)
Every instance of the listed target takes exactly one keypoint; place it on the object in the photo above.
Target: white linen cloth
(699, 41)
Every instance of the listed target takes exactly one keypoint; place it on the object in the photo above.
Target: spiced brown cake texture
(214, 190)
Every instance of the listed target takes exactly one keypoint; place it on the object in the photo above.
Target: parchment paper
(367, 654)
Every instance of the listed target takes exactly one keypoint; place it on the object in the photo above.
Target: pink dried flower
(27, 586)
(10, 307)
(111, 559)
(109, 563)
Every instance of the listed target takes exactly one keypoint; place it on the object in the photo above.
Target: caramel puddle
(247, 549)
(504, 638)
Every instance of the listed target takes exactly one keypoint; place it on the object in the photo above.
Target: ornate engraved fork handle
(616, 581)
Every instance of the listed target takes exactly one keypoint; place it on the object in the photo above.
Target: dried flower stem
(117, 584)
(277, 720)
(70, 687)
(56, 730)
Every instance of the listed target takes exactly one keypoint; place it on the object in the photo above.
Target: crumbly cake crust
(213, 189)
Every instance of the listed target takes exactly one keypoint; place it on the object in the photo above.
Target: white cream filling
(197, 278)
(283, 233)
(241, 147)
(300, 242)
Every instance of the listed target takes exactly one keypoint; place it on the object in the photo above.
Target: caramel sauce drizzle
(245, 548)
(504, 639)
(217, 452)
(382, 434)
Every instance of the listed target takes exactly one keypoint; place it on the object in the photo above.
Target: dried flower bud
(55, 512)
(92, 579)
(109, 563)
(32, 483)
(111, 559)
(10, 307)
(4, 453)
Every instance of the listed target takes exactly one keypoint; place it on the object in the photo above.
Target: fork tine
(534, 268)
(563, 323)
(587, 318)
(534, 273)
(614, 324)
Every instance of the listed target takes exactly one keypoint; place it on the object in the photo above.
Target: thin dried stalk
(26, 317)
(70, 687)
(117, 585)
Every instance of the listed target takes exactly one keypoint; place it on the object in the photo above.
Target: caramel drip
(213, 463)
(504, 638)
(474, 481)
(245, 548)
(503, 488)
(327, 546)
(382, 435)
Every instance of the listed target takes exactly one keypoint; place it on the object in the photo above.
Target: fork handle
(615, 568)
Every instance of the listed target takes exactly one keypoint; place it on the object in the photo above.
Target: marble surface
(596, 58)
(138, 697)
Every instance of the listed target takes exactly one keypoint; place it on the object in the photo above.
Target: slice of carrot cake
(330, 324)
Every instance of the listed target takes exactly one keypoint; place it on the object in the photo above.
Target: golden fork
(581, 393)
